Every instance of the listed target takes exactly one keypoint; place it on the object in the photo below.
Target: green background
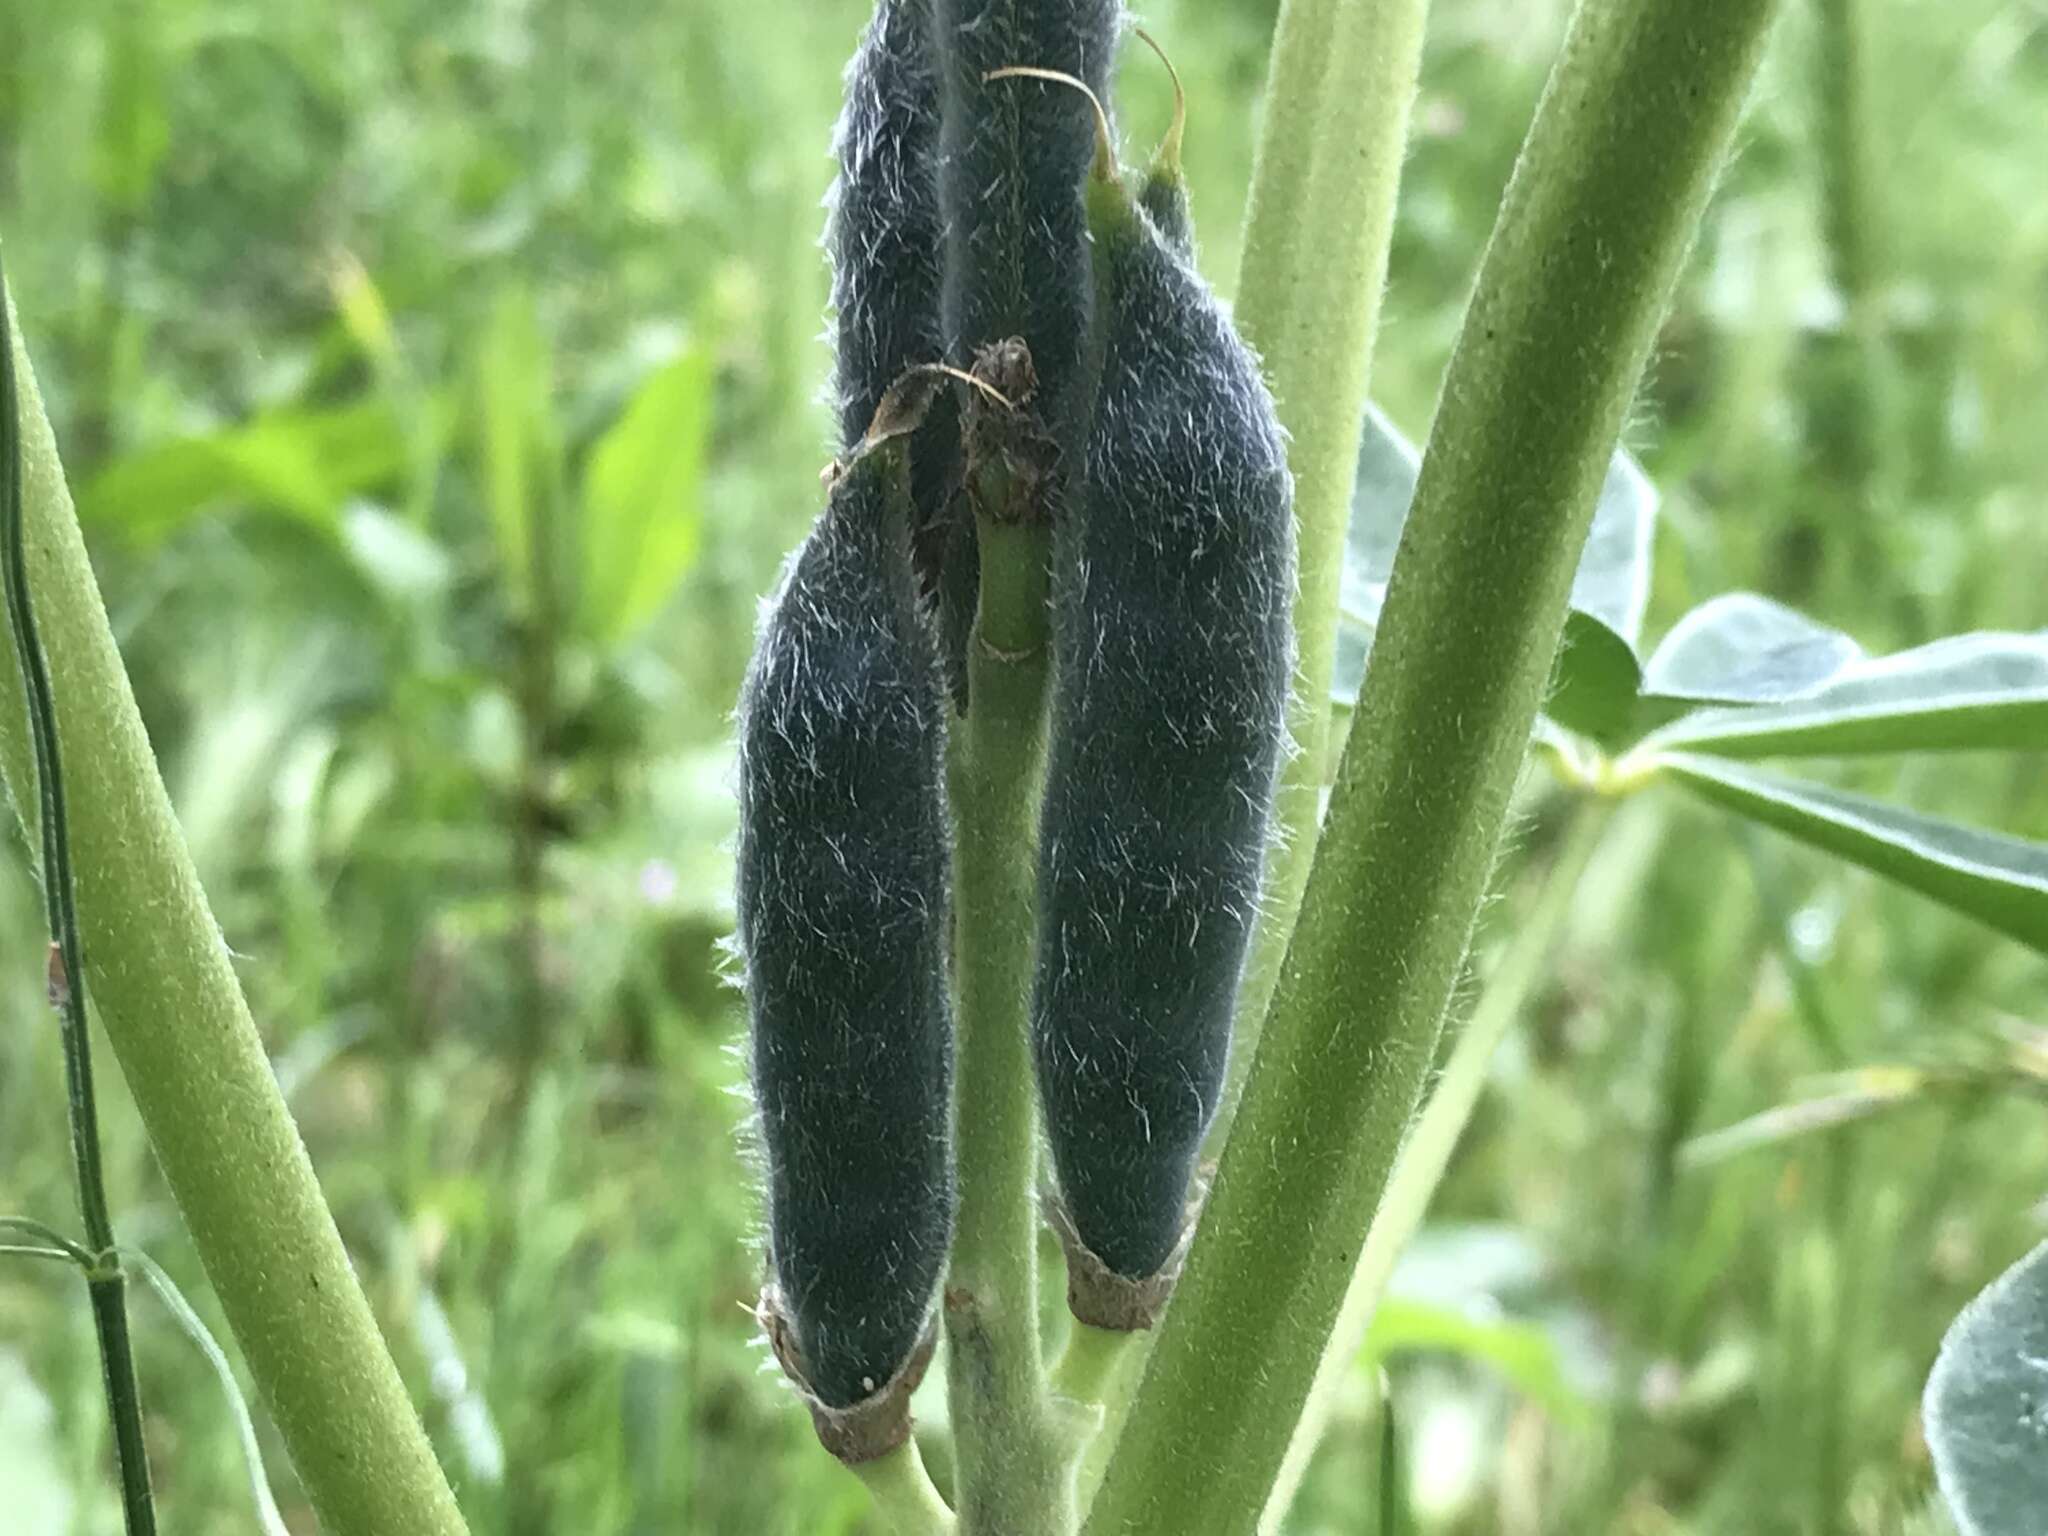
(376, 335)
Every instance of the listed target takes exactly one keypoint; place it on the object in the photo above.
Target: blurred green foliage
(439, 381)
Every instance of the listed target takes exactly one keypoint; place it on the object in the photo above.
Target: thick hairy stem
(167, 995)
(1318, 228)
(1427, 1152)
(1635, 122)
(1013, 1474)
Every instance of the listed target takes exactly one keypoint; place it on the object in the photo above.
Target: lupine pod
(843, 915)
(1173, 652)
(1016, 155)
(887, 242)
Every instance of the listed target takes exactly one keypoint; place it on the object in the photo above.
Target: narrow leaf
(1986, 1407)
(2001, 881)
(1966, 692)
(642, 506)
(1524, 1354)
(1740, 648)
(513, 422)
(307, 464)
(1598, 669)
(1599, 666)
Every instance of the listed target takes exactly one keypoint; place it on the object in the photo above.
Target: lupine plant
(1124, 763)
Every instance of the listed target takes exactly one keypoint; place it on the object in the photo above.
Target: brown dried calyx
(1010, 454)
(1100, 1297)
(864, 1431)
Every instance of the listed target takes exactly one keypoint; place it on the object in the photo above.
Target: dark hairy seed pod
(887, 241)
(843, 917)
(1015, 160)
(1173, 651)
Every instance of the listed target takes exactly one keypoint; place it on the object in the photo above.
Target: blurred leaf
(517, 439)
(1740, 648)
(1598, 671)
(1986, 1406)
(2001, 881)
(1968, 691)
(642, 507)
(470, 1423)
(1388, 465)
(1613, 582)
(1522, 1352)
(305, 463)
(361, 308)
(134, 125)
(1861, 1095)
(33, 1470)
(1597, 683)
(401, 562)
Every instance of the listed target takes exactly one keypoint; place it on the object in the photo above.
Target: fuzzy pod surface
(1015, 161)
(886, 237)
(1173, 652)
(1163, 194)
(843, 916)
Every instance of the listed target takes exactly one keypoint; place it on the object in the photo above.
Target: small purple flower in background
(658, 883)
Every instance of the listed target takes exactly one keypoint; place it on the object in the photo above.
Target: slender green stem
(167, 996)
(1013, 1469)
(1099, 1370)
(904, 1495)
(1318, 228)
(67, 977)
(1633, 127)
(108, 1290)
(1090, 1362)
(1427, 1152)
(48, 1237)
(1847, 429)
(28, 1251)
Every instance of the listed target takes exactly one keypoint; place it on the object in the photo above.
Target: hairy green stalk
(1318, 227)
(1633, 126)
(1014, 1478)
(105, 1283)
(906, 1500)
(1427, 1152)
(167, 996)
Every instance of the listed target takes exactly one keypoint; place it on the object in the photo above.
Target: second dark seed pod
(1173, 655)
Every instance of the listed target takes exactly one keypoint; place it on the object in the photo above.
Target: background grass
(335, 307)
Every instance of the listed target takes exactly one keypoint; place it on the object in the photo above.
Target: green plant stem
(108, 1289)
(1318, 227)
(67, 976)
(904, 1495)
(1013, 1474)
(1427, 1152)
(174, 1013)
(1090, 1361)
(1097, 1371)
(1632, 129)
(1848, 430)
